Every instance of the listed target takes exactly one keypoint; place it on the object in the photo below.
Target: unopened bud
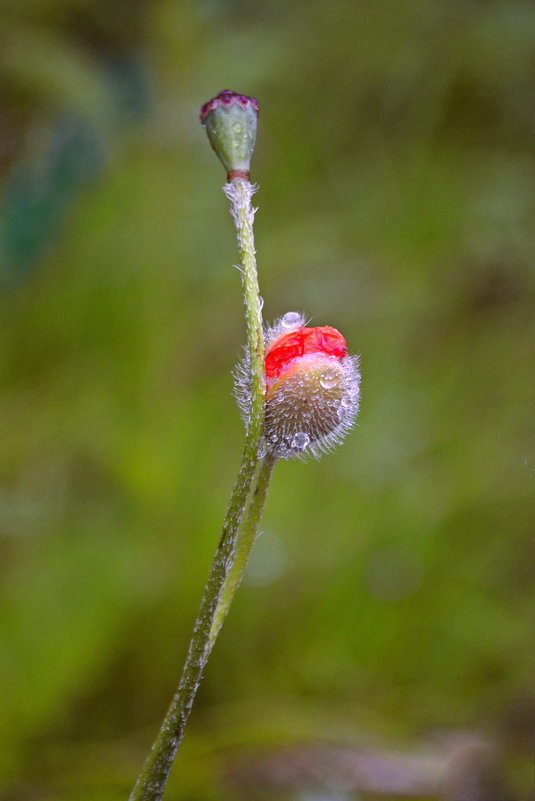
(312, 388)
(230, 121)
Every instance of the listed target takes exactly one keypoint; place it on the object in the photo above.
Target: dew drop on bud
(291, 320)
(300, 441)
(329, 379)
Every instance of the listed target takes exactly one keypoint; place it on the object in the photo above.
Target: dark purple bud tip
(226, 98)
(230, 121)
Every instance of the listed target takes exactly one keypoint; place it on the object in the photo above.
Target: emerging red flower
(312, 388)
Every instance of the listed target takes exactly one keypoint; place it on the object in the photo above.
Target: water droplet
(346, 402)
(237, 127)
(292, 320)
(329, 379)
(300, 441)
(262, 449)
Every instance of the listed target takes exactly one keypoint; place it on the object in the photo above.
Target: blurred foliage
(392, 595)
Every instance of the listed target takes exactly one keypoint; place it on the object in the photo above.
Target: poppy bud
(312, 388)
(230, 121)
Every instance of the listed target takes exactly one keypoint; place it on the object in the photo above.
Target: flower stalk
(224, 578)
(246, 540)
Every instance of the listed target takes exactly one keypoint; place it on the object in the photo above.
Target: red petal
(286, 348)
(327, 340)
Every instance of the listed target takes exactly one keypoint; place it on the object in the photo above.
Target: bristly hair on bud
(230, 120)
(312, 388)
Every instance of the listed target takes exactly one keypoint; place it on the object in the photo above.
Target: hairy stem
(245, 542)
(152, 780)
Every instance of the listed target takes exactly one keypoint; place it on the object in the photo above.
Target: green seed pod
(230, 120)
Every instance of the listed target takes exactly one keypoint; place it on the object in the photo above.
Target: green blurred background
(390, 602)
